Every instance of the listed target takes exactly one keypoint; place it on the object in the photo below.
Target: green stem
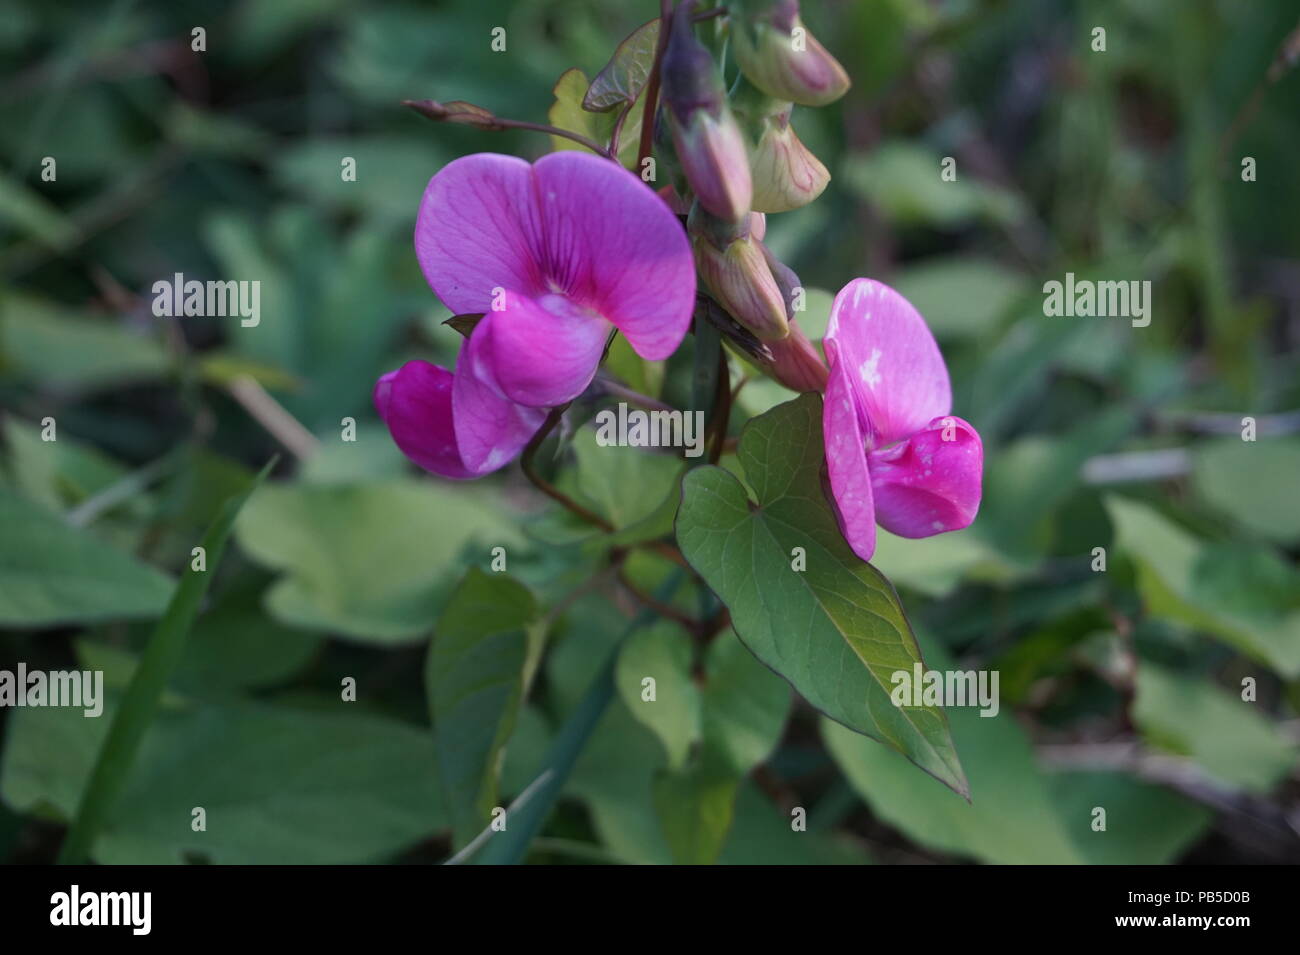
(510, 846)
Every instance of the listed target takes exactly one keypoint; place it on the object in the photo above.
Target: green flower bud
(733, 269)
(786, 175)
(779, 56)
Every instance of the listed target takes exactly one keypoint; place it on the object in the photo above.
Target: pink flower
(894, 454)
(555, 255)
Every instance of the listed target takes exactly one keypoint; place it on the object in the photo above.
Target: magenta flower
(555, 255)
(894, 454)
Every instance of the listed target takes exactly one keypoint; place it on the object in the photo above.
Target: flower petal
(478, 230)
(545, 351)
(415, 402)
(614, 246)
(893, 362)
(930, 482)
(846, 464)
(491, 429)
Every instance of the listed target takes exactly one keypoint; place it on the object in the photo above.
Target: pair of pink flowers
(559, 254)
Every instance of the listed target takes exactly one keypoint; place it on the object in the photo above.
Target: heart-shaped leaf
(626, 73)
(800, 599)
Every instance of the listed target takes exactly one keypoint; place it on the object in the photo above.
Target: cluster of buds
(733, 157)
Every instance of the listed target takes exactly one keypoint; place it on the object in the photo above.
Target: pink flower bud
(796, 362)
(712, 154)
(705, 135)
(779, 56)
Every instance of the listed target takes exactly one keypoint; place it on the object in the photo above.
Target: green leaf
(52, 573)
(1145, 824)
(961, 297)
(391, 172)
(1254, 483)
(662, 653)
(902, 178)
(368, 561)
(1025, 485)
(140, 703)
(639, 374)
(567, 113)
(745, 705)
(474, 679)
(761, 834)
(279, 785)
(33, 214)
(1173, 568)
(625, 76)
(836, 630)
(71, 351)
(695, 807)
(1226, 735)
(58, 473)
(935, 566)
(626, 485)
(1011, 818)
(233, 647)
(743, 708)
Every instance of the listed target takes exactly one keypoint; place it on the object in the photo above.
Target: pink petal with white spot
(890, 359)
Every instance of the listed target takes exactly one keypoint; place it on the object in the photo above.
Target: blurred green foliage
(1121, 689)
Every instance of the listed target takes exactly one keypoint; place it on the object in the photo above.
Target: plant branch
(660, 607)
(545, 486)
(652, 88)
(466, 114)
(634, 397)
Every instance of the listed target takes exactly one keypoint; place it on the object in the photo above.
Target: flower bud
(786, 175)
(734, 270)
(706, 137)
(795, 361)
(669, 167)
(779, 56)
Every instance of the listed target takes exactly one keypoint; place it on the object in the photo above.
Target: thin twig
(545, 486)
(435, 111)
(659, 606)
(129, 486)
(634, 397)
(272, 416)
